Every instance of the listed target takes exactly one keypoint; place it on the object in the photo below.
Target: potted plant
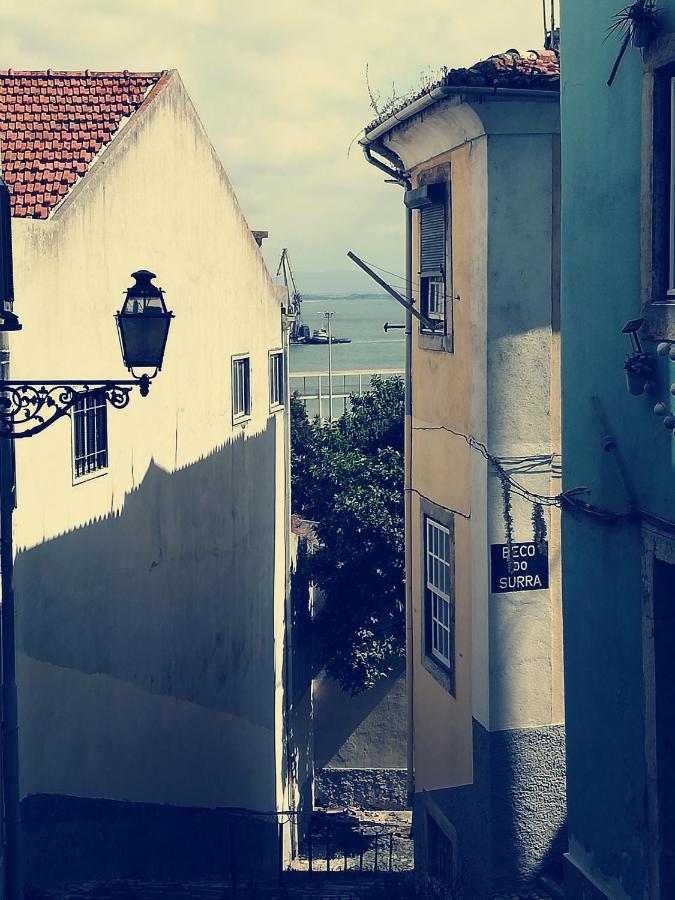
(639, 368)
(639, 23)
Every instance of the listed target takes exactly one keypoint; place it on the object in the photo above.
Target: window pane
(241, 402)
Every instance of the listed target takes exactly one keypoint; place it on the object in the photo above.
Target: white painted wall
(151, 599)
(518, 343)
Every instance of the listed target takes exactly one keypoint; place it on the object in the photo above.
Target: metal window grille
(441, 617)
(441, 853)
(241, 387)
(277, 392)
(90, 434)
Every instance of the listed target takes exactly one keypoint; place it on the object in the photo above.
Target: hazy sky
(280, 87)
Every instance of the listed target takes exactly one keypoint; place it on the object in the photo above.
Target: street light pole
(328, 317)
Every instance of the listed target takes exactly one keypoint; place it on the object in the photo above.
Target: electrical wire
(422, 496)
(566, 500)
(497, 464)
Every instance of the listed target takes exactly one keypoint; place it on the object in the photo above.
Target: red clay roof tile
(53, 124)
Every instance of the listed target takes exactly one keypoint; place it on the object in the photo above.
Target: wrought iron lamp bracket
(28, 407)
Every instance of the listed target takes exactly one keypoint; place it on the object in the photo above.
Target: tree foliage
(348, 478)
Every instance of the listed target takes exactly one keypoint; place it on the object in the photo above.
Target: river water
(357, 317)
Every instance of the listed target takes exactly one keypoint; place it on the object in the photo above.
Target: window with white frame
(90, 434)
(434, 288)
(277, 384)
(241, 388)
(440, 614)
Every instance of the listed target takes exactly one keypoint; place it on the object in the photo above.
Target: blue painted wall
(602, 584)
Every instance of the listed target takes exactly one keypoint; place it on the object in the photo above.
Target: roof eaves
(376, 131)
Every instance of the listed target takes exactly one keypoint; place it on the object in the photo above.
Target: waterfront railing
(318, 392)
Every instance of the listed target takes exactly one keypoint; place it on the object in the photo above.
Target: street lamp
(28, 407)
(143, 325)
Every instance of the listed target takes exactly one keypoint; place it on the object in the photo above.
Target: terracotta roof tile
(532, 70)
(53, 124)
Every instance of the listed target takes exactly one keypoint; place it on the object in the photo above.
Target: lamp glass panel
(144, 338)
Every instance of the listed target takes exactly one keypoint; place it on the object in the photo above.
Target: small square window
(90, 435)
(241, 388)
(277, 381)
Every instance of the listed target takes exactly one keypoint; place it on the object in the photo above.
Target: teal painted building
(618, 539)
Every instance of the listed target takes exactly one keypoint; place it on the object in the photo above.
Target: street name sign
(529, 571)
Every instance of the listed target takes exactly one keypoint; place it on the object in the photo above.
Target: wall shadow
(146, 643)
(367, 730)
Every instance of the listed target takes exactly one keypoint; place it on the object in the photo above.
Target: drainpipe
(396, 175)
(407, 504)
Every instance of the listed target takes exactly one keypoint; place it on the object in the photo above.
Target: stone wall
(365, 788)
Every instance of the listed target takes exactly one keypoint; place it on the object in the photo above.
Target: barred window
(90, 434)
(440, 605)
(277, 385)
(241, 388)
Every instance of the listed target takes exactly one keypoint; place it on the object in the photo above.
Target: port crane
(299, 332)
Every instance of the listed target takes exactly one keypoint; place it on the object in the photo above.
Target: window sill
(277, 407)
(241, 420)
(90, 476)
(429, 340)
(439, 672)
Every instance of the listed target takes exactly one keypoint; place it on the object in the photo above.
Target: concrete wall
(360, 744)
(361, 732)
(151, 600)
(606, 200)
(481, 756)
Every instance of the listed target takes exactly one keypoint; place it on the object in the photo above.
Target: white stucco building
(478, 154)
(151, 553)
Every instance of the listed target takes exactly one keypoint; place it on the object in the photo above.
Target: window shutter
(432, 238)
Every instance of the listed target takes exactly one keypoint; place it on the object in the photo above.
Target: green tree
(348, 478)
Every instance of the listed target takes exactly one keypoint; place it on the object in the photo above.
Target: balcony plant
(639, 369)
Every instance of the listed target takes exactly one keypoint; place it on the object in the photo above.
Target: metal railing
(319, 393)
(344, 847)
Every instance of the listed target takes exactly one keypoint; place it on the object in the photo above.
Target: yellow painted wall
(441, 472)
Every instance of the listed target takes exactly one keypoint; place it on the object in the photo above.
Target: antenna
(551, 32)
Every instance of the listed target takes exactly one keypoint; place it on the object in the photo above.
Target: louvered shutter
(432, 238)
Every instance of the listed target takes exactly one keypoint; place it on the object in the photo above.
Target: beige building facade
(479, 157)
